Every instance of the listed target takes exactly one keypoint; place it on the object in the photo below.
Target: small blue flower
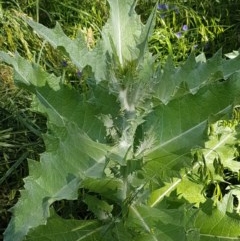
(178, 34)
(162, 6)
(185, 27)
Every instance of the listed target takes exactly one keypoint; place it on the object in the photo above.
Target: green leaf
(177, 130)
(147, 33)
(101, 209)
(161, 224)
(123, 34)
(109, 188)
(189, 190)
(61, 102)
(224, 137)
(72, 158)
(76, 49)
(122, 29)
(174, 139)
(232, 55)
(218, 223)
(58, 229)
(127, 138)
(194, 74)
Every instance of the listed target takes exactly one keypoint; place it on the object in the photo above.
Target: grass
(20, 138)
(21, 129)
(210, 25)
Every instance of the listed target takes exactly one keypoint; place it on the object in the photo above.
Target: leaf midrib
(174, 185)
(183, 133)
(119, 36)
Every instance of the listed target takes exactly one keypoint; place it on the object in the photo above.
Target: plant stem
(37, 11)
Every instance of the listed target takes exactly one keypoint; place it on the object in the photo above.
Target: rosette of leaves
(123, 147)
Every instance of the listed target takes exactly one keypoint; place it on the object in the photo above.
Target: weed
(210, 26)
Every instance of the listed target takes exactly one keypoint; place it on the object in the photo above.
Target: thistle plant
(139, 148)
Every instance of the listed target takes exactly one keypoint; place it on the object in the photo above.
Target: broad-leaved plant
(142, 147)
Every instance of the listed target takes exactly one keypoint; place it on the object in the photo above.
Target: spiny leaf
(194, 74)
(109, 188)
(169, 107)
(177, 129)
(160, 224)
(61, 102)
(76, 49)
(146, 34)
(101, 209)
(192, 192)
(221, 133)
(73, 157)
(120, 35)
(176, 138)
(124, 27)
(217, 223)
(59, 229)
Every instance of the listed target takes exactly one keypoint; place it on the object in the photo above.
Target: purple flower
(178, 34)
(185, 27)
(162, 6)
